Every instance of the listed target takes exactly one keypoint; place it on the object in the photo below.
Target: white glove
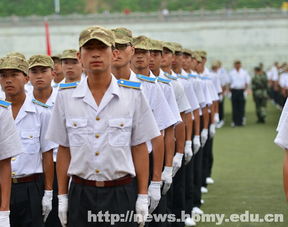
(229, 95)
(196, 144)
(63, 209)
(188, 151)
(166, 179)
(245, 94)
(216, 117)
(4, 218)
(221, 97)
(142, 209)
(47, 203)
(177, 162)
(204, 136)
(212, 130)
(154, 192)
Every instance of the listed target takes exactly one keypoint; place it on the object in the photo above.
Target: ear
(132, 50)
(79, 56)
(115, 54)
(53, 73)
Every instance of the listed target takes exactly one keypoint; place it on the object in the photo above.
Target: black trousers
(53, 220)
(221, 110)
(189, 186)
(207, 160)
(26, 204)
(85, 200)
(238, 106)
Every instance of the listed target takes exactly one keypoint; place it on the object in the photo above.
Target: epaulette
(55, 85)
(4, 103)
(40, 103)
(129, 84)
(205, 78)
(171, 77)
(193, 75)
(146, 78)
(162, 80)
(68, 85)
(182, 77)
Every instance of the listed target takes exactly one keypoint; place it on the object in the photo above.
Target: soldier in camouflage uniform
(260, 94)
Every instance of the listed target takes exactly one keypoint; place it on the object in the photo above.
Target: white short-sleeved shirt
(224, 78)
(50, 102)
(216, 81)
(282, 129)
(181, 98)
(283, 81)
(199, 88)
(157, 102)
(10, 144)
(100, 136)
(239, 79)
(2, 94)
(168, 92)
(274, 73)
(32, 122)
(189, 90)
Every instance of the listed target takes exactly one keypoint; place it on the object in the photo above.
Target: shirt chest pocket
(30, 140)
(120, 131)
(77, 131)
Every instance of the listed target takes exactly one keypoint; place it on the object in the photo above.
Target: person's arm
(62, 165)
(180, 135)
(285, 174)
(158, 157)
(141, 164)
(205, 114)
(196, 122)
(5, 184)
(169, 140)
(48, 169)
(212, 112)
(188, 126)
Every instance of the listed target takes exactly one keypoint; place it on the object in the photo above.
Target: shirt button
(97, 153)
(30, 137)
(97, 118)
(13, 173)
(122, 125)
(74, 124)
(97, 136)
(97, 171)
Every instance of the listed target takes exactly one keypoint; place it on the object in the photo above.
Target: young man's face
(178, 60)
(193, 63)
(57, 66)
(167, 58)
(155, 60)
(13, 81)
(124, 55)
(186, 62)
(141, 58)
(72, 69)
(41, 77)
(96, 57)
(237, 65)
(199, 67)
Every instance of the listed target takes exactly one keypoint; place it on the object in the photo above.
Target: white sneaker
(220, 124)
(190, 222)
(209, 180)
(202, 201)
(204, 190)
(197, 210)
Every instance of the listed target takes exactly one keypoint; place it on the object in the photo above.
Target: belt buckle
(14, 180)
(100, 184)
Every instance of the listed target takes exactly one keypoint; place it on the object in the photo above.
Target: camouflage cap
(203, 54)
(69, 54)
(104, 35)
(141, 42)
(56, 56)
(177, 47)
(40, 60)
(14, 62)
(122, 35)
(17, 54)
(215, 63)
(187, 51)
(196, 55)
(169, 46)
(156, 45)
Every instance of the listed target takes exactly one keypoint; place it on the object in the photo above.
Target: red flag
(47, 35)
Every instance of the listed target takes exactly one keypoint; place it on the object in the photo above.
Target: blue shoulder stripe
(171, 77)
(162, 80)
(193, 75)
(129, 84)
(40, 103)
(4, 103)
(146, 78)
(183, 77)
(68, 85)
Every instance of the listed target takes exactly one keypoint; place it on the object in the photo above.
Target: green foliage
(46, 7)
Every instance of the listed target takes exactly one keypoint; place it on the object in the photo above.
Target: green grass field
(247, 170)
